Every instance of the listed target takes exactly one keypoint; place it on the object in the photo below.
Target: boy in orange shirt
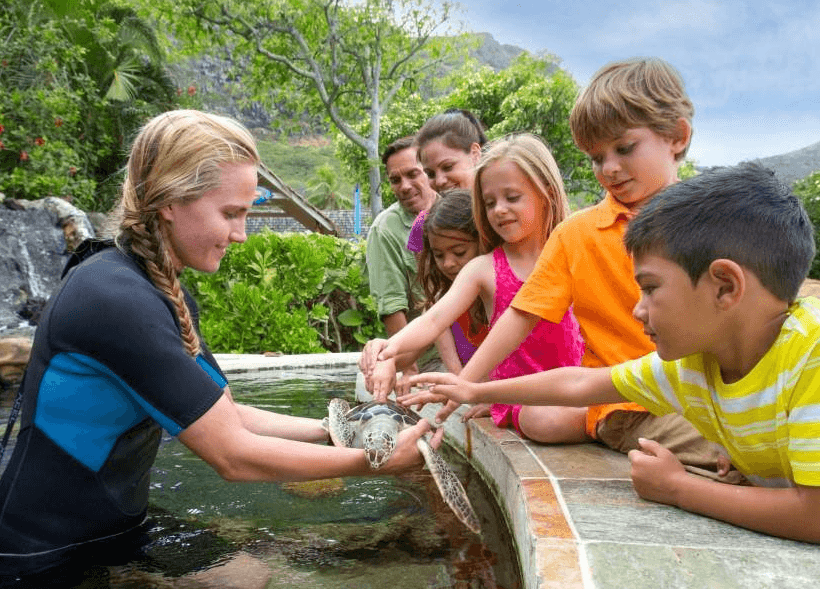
(634, 122)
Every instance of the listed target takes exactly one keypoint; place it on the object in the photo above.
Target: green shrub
(808, 189)
(290, 293)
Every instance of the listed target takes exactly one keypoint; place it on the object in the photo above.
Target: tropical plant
(533, 95)
(808, 190)
(325, 191)
(76, 84)
(291, 293)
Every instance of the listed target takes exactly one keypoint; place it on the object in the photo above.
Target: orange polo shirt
(585, 264)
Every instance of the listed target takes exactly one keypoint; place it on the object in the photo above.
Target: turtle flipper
(449, 486)
(340, 430)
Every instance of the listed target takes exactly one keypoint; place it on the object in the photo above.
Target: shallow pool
(362, 533)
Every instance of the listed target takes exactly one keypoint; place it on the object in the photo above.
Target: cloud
(752, 69)
(652, 24)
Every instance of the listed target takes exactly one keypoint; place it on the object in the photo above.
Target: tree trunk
(374, 176)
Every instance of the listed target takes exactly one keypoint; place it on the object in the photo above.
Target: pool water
(362, 533)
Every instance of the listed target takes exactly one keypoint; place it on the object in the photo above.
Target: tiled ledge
(245, 363)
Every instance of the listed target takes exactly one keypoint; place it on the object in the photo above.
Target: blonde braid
(146, 241)
(176, 157)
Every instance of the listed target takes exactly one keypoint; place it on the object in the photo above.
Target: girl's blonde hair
(176, 157)
(535, 161)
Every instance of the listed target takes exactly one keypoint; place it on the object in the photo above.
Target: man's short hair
(397, 146)
(742, 213)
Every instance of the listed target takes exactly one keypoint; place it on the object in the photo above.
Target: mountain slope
(794, 165)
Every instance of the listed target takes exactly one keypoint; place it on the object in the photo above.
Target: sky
(751, 68)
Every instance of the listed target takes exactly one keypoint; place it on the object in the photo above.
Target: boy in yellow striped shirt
(719, 259)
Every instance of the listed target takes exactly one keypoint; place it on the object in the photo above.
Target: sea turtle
(375, 427)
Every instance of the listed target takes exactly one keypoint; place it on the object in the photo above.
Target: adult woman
(449, 147)
(117, 357)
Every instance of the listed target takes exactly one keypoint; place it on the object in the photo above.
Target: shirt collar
(610, 211)
(406, 216)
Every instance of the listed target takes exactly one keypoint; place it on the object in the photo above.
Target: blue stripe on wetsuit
(84, 407)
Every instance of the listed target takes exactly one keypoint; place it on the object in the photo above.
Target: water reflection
(362, 533)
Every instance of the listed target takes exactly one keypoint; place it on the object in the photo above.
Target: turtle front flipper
(340, 429)
(449, 486)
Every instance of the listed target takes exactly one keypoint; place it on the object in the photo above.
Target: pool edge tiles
(248, 363)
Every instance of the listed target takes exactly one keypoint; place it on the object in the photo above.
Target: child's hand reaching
(480, 410)
(382, 380)
(656, 473)
(368, 359)
(419, 398)
(447, 384)
(403, 385)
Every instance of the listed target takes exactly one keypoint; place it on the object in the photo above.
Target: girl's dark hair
(451, 212)
(456, 128)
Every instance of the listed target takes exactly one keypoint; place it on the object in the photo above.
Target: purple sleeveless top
(549, 345)
(415, 240)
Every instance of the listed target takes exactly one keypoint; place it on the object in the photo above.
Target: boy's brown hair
(622, 95)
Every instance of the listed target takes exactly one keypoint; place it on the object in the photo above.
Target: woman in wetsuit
(117, 357)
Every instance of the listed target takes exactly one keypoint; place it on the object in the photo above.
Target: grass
(296, 163)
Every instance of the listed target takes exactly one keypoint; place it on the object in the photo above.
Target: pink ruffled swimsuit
(549, 345)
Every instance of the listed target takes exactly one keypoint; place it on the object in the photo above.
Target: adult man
(391, 266)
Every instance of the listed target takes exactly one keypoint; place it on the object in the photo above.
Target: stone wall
(260, 218)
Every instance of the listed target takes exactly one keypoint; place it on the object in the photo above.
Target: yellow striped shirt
(768, 421)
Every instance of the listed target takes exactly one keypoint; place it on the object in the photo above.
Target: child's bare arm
(789, 513)
(383, 380)
(506, 335)
(571, 386)
(446, 346)
(423, 330)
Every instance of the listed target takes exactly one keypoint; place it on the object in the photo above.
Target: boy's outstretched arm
(506, 335)
(789, 513)
(571, 386)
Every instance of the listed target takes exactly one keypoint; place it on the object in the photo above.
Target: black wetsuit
(107, 373)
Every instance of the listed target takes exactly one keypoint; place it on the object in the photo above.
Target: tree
(348, 59)
(533, 94)
(536, 96)
(78, 78)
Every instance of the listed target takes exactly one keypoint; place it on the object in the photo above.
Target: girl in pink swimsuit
(518, 198)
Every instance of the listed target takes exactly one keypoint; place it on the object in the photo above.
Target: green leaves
(290, 293)
(808, 189)
(77, 79)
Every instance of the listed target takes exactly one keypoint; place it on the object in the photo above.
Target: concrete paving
(578, 523)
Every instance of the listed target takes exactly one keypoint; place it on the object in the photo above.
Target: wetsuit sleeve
(112, 314)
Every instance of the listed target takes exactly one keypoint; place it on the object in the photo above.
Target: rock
(35, 237)
(74, 222)
(794, 165)
(315, 489)
(242, 571)
(14, 356)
